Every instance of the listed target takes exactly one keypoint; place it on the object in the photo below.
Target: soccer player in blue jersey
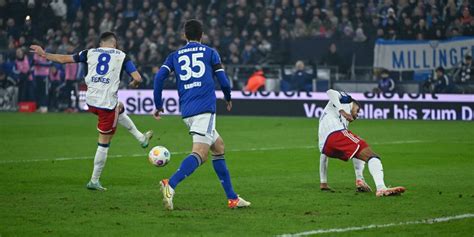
(195, 66)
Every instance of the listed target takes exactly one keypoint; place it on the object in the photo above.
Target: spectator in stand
(41, 73)
(248, 54)
(450, 10)
(256, 81)
(59, 8)
(468, 29)
(467, 70)
(360, 36)
(6, 65)
(442, 83)
(8, 92)
(437, 29)
(406, 31)
(71, 72)
(299, 29)
(466, 17)
(372, 28)
(107, 23)
(25, 80)
(55, 83)
(301, 80)
(386, 83)
(421, 29)
(333, 59)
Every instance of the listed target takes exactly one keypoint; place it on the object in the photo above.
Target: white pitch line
(185, 152)
(366, 227)
(144, 154)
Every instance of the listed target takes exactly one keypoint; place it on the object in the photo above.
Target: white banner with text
(311, 104)
(411, 55)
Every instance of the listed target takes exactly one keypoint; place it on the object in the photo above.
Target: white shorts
(203, 128)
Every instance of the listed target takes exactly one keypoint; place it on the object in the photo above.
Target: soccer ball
(159, 156)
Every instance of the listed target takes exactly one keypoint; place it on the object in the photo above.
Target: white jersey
(330, 120)
(103, 76)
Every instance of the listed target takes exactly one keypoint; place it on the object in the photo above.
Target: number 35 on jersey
(189, 64)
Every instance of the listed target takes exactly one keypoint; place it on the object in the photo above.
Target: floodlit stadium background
(281, 56)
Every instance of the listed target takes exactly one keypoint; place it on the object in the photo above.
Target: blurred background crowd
(244, 32)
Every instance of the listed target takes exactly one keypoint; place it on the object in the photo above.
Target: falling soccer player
(335, 140)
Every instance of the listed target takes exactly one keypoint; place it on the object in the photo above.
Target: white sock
(125, 121)
(323, 168)
(99, 162)
(376, 170)
(359, 166)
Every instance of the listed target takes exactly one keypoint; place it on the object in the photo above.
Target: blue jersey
(194, 66)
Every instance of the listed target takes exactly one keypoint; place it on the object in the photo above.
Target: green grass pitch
(43, 196)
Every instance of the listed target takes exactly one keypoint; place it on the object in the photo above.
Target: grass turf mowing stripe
(229, 150)
(366, 227)
(185, 152)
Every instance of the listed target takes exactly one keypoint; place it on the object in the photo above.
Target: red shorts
(107, 119)
(343, 145)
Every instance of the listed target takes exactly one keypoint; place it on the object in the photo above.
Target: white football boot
(168, 194)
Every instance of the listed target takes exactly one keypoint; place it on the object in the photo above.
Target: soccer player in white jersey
(335, 140)
(105, 65)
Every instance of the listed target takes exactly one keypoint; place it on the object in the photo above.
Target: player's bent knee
(366, 154)
(202, 149)
(105, 138)
(218, 148)
(121, 107)
(202, 155)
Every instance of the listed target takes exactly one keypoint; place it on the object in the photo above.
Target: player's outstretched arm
(59, 58)
(160, 76)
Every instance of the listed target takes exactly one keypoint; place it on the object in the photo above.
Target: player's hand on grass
(229, 105)
(346, 115)
(157, 114)
(37, 50)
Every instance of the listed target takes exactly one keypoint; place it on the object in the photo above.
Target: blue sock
(187, 167)
(223, 173)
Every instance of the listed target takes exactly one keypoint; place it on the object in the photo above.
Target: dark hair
(107, 35)
(193, 30)
(468, 57)
(440, 69)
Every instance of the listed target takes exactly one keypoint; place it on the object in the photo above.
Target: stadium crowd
(244, 32)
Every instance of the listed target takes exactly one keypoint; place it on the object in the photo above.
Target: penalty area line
(186, 152)
(367, 227)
